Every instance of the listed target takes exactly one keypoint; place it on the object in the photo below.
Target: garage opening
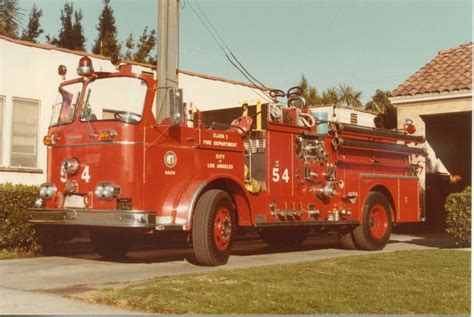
(449, 169)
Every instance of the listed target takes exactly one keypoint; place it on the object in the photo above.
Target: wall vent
(353, 118)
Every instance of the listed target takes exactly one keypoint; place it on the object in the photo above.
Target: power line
(235, 62)
(225, 44)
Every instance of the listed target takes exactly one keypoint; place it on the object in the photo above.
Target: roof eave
(398, 100)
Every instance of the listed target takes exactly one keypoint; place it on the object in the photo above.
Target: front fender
(180, 201)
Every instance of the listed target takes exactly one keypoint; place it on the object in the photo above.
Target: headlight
(70, 166)
(47, 190)
(107, 191)
(39, 202)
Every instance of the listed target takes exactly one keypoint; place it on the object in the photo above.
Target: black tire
(109, 245)
(284, 237)
(214, 208)
(376, 227)
(346, 241)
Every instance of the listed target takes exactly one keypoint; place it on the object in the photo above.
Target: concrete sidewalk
(30, 303)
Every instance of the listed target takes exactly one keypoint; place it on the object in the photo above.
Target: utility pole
(168, 41)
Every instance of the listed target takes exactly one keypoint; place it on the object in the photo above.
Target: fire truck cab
(113, 169)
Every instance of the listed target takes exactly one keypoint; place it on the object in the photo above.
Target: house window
(24, 150)
(2, 102)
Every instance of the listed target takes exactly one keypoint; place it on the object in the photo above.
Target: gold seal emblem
(170, 159)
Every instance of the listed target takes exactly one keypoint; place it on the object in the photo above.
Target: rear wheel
(374, 232)
(110, 245)
(213, 228)
(284, 237)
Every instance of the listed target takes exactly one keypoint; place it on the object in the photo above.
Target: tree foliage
(347, 96)
(129, 45)
(65, 33)
(309, 92)
(379, 101)
(329, 97)
(33, 30)
(10, 18)
(343, 95)
(78, 33)
(71, 34)
(106, 43)
(146, 43)
(381, 104)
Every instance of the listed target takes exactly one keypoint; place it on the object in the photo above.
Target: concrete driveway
(27, 284)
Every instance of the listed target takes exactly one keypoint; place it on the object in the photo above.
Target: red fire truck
(114, 170)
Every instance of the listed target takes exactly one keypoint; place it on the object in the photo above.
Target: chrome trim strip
(89, 217)
(98, 143)
(290, 223)
(168, 220)
(388, 176)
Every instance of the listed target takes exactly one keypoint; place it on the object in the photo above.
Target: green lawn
(406, 282)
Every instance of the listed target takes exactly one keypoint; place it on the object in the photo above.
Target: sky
(368, 44)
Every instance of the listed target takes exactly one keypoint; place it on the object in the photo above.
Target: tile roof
(449, 71)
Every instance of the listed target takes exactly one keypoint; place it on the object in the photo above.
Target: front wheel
(374, 232)
(213, 228)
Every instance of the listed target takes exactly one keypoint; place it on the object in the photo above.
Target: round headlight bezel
(106, 191)
(70, 166)
(47, 190)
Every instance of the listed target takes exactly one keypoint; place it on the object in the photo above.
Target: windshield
(116, 98)
(66, 103)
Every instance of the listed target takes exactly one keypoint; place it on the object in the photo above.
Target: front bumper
(93, 218)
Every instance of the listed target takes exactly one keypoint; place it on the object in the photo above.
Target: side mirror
(176, 106)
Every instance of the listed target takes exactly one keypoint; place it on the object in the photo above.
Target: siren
(85, 67)
(62, 70)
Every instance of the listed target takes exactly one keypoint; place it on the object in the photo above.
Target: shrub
(16, 233)
(458, 216)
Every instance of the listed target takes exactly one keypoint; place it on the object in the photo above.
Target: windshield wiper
(86, 114)
(71, 117)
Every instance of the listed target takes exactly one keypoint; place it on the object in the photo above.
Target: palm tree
(374, 107)
(380, 103)
(10, 18)
(349, 97)
(329, 97)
